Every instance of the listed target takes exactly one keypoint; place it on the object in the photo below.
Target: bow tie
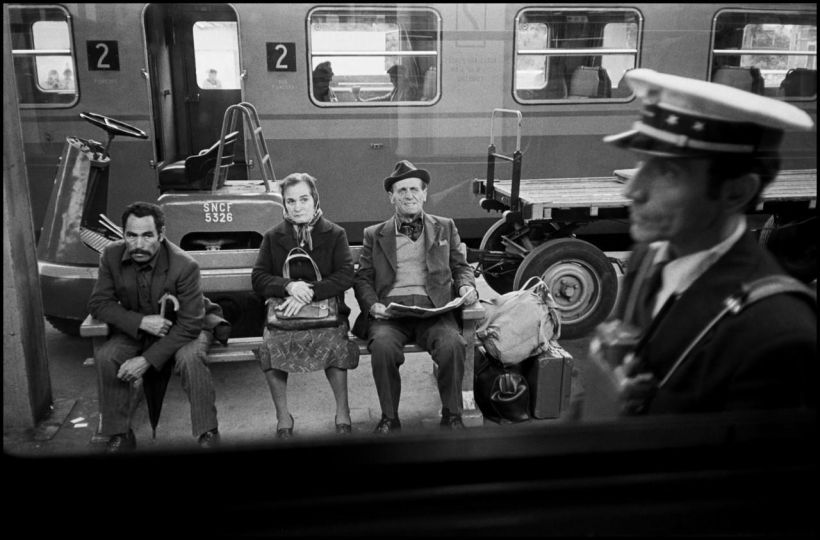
(412, 229)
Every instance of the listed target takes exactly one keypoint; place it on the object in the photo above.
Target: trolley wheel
(501, 276)
(70, 327)
(794, 245)
(580, 278)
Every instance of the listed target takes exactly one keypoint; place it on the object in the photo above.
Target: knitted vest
(411, 271)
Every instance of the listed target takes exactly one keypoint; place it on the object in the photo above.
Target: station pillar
(27, 394)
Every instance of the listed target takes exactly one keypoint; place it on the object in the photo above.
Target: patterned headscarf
(302, 230)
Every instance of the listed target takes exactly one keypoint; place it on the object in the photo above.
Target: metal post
(516, 182)
(490, 171)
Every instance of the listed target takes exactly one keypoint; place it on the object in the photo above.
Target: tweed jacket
(447, 268)
(331, 253)
(114, 299)
(763, 357)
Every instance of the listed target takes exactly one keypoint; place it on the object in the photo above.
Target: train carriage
(344, 91)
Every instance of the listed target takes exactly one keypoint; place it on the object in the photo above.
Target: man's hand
(472, 294)
(290, 306)
(300, 290)
(156, 325)
(131, 370)
(636, 390)
(379, 311)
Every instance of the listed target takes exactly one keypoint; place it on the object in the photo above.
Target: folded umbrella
(156, 381)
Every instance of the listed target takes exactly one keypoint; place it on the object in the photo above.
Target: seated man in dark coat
(135, 275)
(413, 258)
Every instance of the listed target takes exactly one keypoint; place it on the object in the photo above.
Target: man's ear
(736, 193)
(162, 234)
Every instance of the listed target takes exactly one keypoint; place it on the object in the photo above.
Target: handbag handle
(299, 253)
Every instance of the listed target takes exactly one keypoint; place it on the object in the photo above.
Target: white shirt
(679, 274)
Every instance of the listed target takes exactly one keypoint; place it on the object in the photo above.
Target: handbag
(520, 324)
(501, 393)
(316, 314)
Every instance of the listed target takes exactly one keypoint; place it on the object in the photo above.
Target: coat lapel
(705, 299)
(432, 229)
(387, 242)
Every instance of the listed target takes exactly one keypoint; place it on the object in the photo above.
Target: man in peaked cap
(412, 259)
(708, 151)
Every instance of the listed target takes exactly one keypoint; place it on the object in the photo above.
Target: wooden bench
(241, 349)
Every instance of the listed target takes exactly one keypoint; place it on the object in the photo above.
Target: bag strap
(749, 294)
(527, 283)
(299, 253)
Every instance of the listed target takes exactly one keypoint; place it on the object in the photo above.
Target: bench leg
(98, 438)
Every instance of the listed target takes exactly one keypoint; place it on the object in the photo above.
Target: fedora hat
(683, 117)
(405, 169)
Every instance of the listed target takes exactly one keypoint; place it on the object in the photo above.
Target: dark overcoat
(115, 301)
(447, 268)
(331, 252)
(763, 357)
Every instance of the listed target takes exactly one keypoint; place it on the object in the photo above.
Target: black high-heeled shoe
(345, 429)
(286, 433)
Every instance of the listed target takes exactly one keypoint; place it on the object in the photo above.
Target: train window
(769, 53)
(216, 52)
(43, 56)
(573, 54)
(374, 56)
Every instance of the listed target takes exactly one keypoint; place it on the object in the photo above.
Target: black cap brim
(421, 174)
(639, 142)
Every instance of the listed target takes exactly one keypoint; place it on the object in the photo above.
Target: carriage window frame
(544, 14)
(714, 51)
(345, 96)
(31, 79)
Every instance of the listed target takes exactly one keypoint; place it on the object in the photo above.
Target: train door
(194, 70)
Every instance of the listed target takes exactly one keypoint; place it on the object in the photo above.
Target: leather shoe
(387, 425)
(121, 442)
(451, 421)
(345, 429)
(209, 439)
(286, 433)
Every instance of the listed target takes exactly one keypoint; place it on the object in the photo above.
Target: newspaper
(399, 310)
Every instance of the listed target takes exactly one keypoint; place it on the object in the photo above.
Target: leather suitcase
(549, 376)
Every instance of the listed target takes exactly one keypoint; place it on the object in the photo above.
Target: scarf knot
(302, 231)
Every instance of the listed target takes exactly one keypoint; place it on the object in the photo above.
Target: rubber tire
(794, 245)
(588, 268)
(492, 242)
(69, 327)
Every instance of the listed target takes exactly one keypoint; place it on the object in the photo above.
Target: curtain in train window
(216, 53)
(43, 56)
(374, 57)
(768, 53)
(574, 54)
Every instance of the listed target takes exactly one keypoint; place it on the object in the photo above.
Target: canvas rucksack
(521, 323)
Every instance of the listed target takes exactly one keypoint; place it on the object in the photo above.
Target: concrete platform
(244, 405)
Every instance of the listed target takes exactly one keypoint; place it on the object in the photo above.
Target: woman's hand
(301, 291)
(290, 306)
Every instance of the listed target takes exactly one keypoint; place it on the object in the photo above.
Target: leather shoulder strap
(734, 304)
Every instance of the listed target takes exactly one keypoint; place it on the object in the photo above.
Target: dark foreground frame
(738, 474)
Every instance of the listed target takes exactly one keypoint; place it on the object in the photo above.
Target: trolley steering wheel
(113, 127)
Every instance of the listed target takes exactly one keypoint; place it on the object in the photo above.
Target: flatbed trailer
(540, 216)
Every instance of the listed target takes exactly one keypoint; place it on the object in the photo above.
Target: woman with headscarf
(298, 351)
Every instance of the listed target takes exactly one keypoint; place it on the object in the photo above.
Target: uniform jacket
(447, 268)
(115, 301)
(331, 252)
(762, 357)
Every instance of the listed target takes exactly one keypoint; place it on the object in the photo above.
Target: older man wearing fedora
(708, 151)
(412, 259)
